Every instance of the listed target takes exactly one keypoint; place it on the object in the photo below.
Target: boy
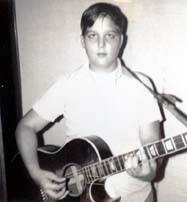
(100, 98)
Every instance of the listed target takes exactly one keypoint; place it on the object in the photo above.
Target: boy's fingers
(64, 195)
(153, 164)
(128, 165)
(143, 155)
(135, 161)
(55, 186)
(54, 194)
(55, 178)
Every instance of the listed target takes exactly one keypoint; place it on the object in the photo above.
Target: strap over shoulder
(147, 80)
(177, 113)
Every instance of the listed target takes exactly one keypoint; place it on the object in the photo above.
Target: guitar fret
(120, 166)
(185, 137)
(104, 168)
(97, 170)
(112, 165)
(101, 171)
(152, 151)
(89, 174)
(178, 142)
(116, 162)
(108, 166)
(173, 143)
(94, 172)
(86, 174)
(169, 145)
(160, 148)
(163, 143)
(121, 162)
(145, 148)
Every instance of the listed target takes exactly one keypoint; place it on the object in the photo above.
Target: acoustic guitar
(86, 163)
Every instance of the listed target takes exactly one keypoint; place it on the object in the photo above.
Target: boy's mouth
(102, 54)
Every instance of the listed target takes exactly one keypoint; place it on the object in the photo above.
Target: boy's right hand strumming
(26, 136)
(50, 183)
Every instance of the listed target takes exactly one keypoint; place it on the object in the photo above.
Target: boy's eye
(92, 36)
(111, 36)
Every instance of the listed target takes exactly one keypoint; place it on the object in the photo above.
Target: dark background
(10, 94)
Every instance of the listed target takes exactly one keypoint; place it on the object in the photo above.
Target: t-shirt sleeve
(151, 111)
(51, 104)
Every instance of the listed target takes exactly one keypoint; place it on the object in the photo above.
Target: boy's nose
(101, 42)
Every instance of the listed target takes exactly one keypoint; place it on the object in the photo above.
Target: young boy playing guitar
(100, 98)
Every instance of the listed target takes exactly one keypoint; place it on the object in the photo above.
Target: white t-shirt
(110, 105)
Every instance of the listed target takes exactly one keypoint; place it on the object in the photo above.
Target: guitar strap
(152, 91)
(159, 98)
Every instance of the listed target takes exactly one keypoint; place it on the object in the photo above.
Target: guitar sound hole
(75, 180)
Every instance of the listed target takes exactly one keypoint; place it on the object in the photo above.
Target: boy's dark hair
(91, 14)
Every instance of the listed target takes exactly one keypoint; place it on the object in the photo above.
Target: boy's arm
(26, 137)
(147, 170)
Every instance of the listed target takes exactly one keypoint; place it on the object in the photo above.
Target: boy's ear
(123, 45)
(122, 40)
(82, 40)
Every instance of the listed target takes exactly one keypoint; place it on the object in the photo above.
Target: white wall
(48, 37)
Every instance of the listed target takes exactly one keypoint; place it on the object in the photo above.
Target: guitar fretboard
(116, 164)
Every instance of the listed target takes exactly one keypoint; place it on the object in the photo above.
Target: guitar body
(73, 156)
(84, 162)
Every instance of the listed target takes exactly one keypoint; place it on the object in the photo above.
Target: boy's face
(102, 43)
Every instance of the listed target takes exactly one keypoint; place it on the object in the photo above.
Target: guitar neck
(116, 164)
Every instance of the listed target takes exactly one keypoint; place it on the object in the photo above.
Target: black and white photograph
(93, 101)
